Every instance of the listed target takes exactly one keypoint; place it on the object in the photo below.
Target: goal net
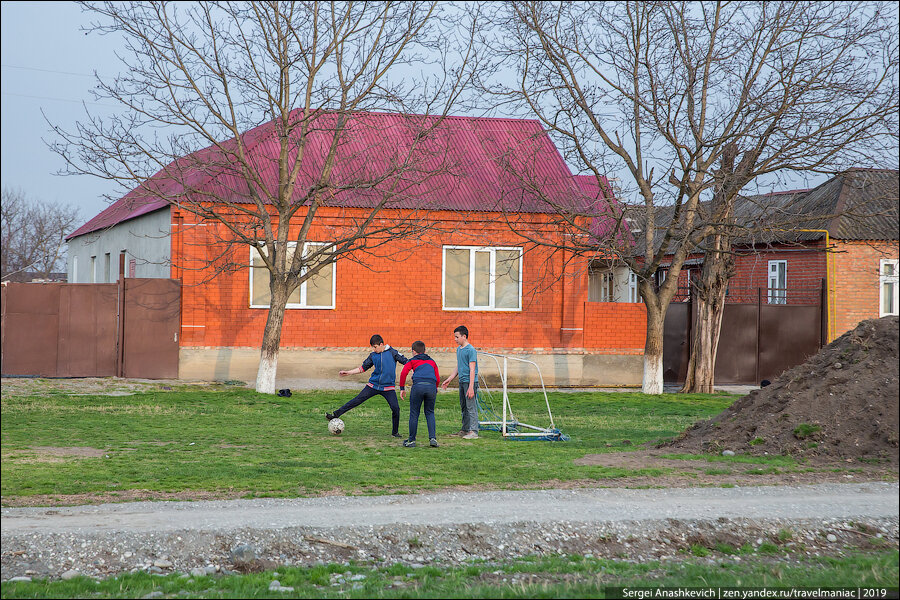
(506, 422)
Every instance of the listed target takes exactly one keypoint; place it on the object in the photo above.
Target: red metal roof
(462, 164)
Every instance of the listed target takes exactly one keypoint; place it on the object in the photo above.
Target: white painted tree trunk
(268, 354)
(652, 382)
(265, 377)
(653, 374)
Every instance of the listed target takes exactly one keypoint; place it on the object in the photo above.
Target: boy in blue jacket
(381, 383)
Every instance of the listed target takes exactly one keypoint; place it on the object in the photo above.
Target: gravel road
(449, 527)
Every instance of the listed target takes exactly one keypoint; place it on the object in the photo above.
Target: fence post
(120, 319)
(823, 311)
(758, 319)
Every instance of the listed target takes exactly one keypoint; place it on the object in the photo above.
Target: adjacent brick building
(842, 235)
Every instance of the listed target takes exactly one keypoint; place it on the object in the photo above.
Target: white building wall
(145, 240)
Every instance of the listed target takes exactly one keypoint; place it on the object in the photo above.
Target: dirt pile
(842, 403)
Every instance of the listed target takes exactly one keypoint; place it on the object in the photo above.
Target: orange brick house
(843, 233)
(471, 269)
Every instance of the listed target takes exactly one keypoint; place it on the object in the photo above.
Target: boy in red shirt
(424, 392)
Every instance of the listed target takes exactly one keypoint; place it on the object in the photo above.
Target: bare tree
(33, 235)
(207, 75)
(695, 101)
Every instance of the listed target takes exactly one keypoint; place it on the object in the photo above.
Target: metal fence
(759, 339)
(126, 329)
(758, 295)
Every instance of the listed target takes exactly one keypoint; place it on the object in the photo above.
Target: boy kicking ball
(381, 383)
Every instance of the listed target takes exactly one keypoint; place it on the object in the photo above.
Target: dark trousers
(422, 394)
(366, 393)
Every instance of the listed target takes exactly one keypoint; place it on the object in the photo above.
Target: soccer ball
(336, 426)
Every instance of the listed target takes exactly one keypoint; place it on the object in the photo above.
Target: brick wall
(401, 299)
(805, 271)
(856, 285)
(615, 327)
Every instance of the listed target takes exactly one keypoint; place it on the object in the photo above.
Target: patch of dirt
(841, 404)
(92, 386)
(703, 472)
(79, 451)
(115, 497)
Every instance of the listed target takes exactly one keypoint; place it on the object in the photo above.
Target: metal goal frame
(509, 425)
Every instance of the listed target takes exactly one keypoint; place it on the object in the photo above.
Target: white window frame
(776, 294)
(607, 286)
(634, 295)
(493, 275)
(885, 280)
(93, 269)
(74, 269)
(607, 277)
(293, 305)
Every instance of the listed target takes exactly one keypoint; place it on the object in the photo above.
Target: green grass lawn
(537, 577)
(226, 439)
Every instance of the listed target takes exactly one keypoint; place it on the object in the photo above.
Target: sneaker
(330, 416)
(396, 435)
(409, 443)
(472, 435)
(433, 442)
(460, 433)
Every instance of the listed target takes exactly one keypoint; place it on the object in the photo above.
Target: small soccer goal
(506, 422)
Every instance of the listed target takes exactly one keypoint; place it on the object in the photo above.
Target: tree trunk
(701, 368)
(653, 351)
(268, 357)
(709, 294)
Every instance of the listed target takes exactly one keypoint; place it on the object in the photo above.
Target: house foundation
(319, 367)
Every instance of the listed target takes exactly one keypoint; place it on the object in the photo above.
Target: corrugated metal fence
(763, 334)
(125, 329)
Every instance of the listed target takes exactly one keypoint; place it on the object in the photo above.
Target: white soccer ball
(336, 426)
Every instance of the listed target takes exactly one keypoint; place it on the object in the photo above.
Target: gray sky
(47, 64)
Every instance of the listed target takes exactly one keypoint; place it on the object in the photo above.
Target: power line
(59, 99)
(7, 66)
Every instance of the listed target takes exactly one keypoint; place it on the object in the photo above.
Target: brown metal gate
(73, 329)
(758, 340)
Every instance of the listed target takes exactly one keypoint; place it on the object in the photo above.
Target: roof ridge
(870, 169)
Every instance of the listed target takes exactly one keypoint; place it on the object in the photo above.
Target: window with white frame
(601, 282)
(887, 286)
(777, 282)
(633, 292)
(315, 292)
(482, 278)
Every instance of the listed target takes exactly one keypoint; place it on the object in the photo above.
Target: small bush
(725, 548)
(757, 441)
(698, 550)
(804, 430)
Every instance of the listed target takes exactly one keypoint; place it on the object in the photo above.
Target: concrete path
(821, 501)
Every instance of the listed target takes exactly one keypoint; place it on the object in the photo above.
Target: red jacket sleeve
(404, 372)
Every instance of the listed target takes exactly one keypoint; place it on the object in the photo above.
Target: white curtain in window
(888, 282)
(482, 278)
(315, 292)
